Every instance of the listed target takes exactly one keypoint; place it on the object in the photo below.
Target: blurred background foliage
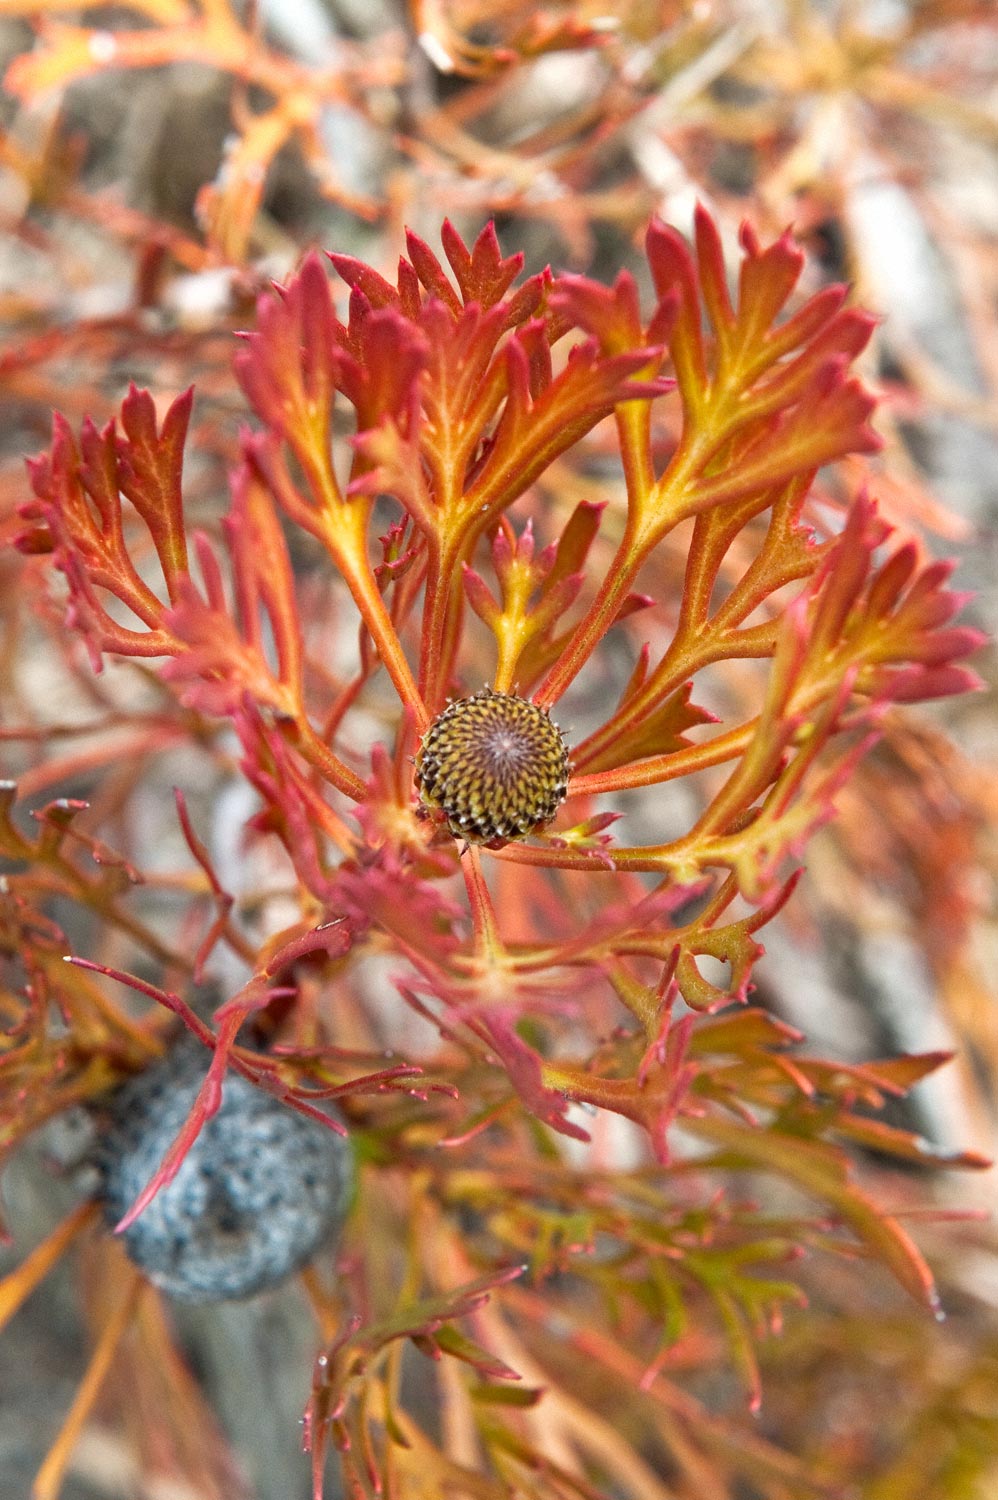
(162, 160)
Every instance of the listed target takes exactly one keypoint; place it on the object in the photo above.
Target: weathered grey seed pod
(259, 1192)
(495, 765)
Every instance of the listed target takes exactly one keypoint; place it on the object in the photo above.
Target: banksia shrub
(480, 881)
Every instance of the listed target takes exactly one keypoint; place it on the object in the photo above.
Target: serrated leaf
(660, 732)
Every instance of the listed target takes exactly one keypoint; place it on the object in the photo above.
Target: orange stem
(490, 944)
(18, 1286)
(49, 1479)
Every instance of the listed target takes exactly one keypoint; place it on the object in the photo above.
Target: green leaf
(823, 1172)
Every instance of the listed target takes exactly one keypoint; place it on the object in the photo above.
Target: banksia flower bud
(495, 765)
(258, 1193)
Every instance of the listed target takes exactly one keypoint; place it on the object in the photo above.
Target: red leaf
(482, 274)
(149, 473)
(612, 314)
(289, 366)
(890, 625)
(533, 432)
(524, 1068)
(674, 275)
(381, 357)
(78, 501)
(766, 279)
